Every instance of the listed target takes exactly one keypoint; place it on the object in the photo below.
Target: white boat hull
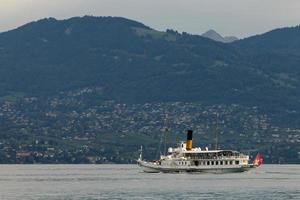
(152, 167)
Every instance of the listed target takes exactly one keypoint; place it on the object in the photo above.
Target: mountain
(276, 54)
(93, 89)
(213, 35)
(282, 40)
(131, 62)
(228, 39)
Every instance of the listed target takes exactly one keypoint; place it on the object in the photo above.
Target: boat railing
(219, 157)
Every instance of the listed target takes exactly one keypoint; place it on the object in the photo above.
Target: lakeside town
(77, 127)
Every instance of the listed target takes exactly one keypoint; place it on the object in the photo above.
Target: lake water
(128, 182)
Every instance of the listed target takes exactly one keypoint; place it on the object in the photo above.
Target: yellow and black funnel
(189, 140)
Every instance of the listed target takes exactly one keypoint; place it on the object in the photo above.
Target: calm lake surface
(128, 182)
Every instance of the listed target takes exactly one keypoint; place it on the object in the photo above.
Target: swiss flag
(258, 160)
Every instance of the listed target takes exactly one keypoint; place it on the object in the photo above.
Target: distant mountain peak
(213, 35)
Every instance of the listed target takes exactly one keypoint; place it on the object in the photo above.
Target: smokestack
(189, 140)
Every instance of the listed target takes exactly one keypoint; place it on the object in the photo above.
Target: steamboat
(185, 158)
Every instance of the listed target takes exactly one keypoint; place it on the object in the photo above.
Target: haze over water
(31, 182)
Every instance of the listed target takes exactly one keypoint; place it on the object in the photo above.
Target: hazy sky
(229, 17)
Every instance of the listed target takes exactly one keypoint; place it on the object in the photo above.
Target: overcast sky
(229, 17)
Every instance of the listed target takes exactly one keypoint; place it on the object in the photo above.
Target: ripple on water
(35, 182)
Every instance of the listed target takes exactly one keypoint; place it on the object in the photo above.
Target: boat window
(221, 162)
(217, 162)
(230, 162)
(212, 162)
(207, 163)
(237, 162)
(226, 162)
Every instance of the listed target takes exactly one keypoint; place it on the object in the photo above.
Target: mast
(216, 132)
(165, 130)
(141, 153)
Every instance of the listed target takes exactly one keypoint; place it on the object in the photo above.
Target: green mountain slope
(131, 62)
(276, 54)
